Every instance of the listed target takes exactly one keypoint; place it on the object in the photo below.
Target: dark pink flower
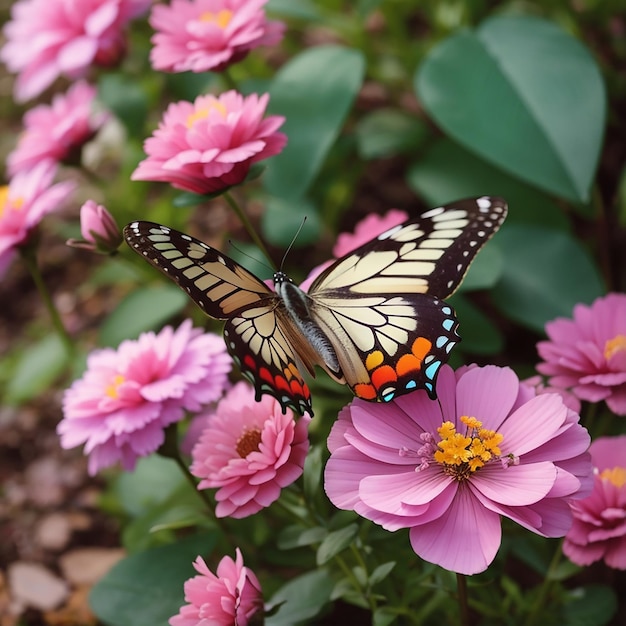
(230, 598)
(208, 145)
(126, 398)
(59, 131)
(202, 35)
(24, 202)
(448, 470)
(249, 451)
(50, 38)
(99, 230)
(587, 354)
(599, 529)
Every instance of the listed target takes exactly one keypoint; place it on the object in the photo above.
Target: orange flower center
(112, 389)
(6, 203)
(201, 114)
(614, 346)
(616, 476)
(221, 19)
(248, 442)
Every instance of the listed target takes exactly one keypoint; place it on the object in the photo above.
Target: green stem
(248, 226)
(461, 585)
(29, 256)
(546, 587)
(229, 80)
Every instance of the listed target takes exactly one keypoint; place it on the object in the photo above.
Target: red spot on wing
(365, 391)
(383, 375)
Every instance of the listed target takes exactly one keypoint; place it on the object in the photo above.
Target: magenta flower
(448, 470)
(59, 131)
(232, 597)
(587, 355)
(125, 399)
(23, 203)
(99, 230)
(599, 529)
(208, 145)
(249, 450)
(202, 35)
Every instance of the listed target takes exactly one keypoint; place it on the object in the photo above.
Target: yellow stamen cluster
(248, 442)
(112, 389)
(615, 345)
(615, 475)
(221, 18)
(202, 114)
(462, 454)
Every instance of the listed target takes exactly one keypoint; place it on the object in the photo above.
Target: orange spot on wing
(421, 347)
(384, 375)
(407, 364)
(365, 391)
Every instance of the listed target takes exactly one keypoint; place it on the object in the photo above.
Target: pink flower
(23, 203)
(231, 598)
(202, 35)
(59, 131)
(249, 450)
(599, 529)
(48, 38)
(125, 399)
(209, 145)
(449, 469)
(99, 230)
(587, 355)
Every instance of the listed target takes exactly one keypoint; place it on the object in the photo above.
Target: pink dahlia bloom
(202, 35)
(232, 597)
(208, 145)
(249, 450)
(587, 354)
(125, 399)
(23, 203)
(448, 470)
(99, 230)
(48, 38)
(59, 131)
(599, 529)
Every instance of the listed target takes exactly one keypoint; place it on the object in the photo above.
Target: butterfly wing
(257, 329)
(381, 305)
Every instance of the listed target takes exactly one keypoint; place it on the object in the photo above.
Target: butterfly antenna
(288, 250)
(244, 253)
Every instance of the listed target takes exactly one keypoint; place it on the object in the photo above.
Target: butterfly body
(374, 320)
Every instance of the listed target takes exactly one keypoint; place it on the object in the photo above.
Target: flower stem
(461, 585)
(248, 226)
(546, 587)
(28, 253)
(229, 80)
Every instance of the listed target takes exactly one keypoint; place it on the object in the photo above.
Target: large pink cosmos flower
(202, 35)
(249, 450)
(587, 355)
(125, 399)
(208, 145)
(233, 596)
(48, 38)
(59, 131)
(599, 529)
(449, 469)
(23, 203)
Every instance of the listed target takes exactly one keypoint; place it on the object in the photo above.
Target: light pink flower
(48, 38)
(230, 598)
(208, 145)
(202, 35)
(99, 230)
(125, 399)
(59, 131)
(599, 529)
(449, 469)
(23, 203)
(249, 450)
(587, 354)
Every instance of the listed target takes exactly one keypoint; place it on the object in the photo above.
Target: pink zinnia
(202, 35)
(449, 469)
(599, 529)
(48, 38)
(587, 354)
(59, 131)
(232, 597)
(208, 145)
(249, 450)
(125, 399)
(23, 203)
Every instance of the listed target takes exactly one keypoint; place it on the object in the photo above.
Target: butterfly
(374, 320)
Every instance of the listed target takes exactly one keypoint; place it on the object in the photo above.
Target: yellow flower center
(616, 476)
(221, 19)
(112, 389)
(461, 454)
(5, 203)
(613, 346)
(248, 442)
(201, 114)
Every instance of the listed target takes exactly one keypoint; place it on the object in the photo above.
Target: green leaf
(124, 96)
(336, 542)
(313, 468)
(314, 91)
(282, 219)
(593, 605)
(144, 309)
(296, 537)
(300, 9)
(525, 96)
(147, 588)
(545, 274)
(478, 334)
(381, 572)
(485, 270)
